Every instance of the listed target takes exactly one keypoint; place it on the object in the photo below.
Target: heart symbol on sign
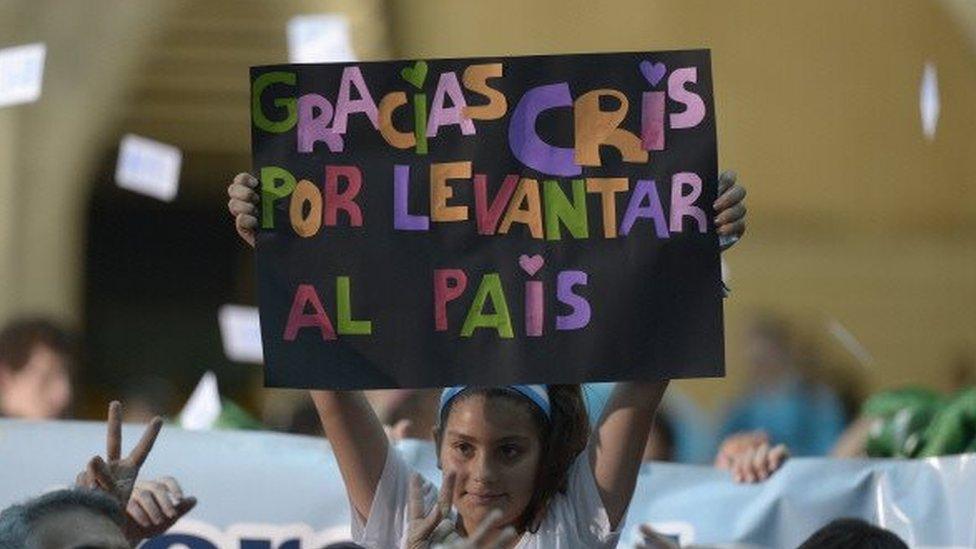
(416, 74)
(531, 264)
(653, 72)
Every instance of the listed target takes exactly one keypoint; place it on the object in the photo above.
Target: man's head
(35, 361)
(64, 519)
(852, 532)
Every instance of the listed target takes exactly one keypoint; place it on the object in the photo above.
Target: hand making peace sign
(116, 475)
(436, 530)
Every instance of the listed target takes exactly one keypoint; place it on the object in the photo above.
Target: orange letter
(393, 136)
(305, 225)
(608, 187)
(440, 191)
(528, 193)
(476, 79)
(595, 127)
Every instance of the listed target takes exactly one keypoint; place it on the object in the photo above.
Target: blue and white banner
(260, 490)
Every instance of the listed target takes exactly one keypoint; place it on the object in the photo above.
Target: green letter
(346, 324)
(491, 286)
(559, 209)
(289, 103)
(270, 192)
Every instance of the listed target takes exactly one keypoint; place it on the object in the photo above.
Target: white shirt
(573, 520)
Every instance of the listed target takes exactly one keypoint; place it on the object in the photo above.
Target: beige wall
(49, 149)
(853, 216)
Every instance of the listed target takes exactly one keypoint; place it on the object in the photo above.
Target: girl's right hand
(243, 205)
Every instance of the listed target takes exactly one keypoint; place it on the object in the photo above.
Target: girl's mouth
(484, 498)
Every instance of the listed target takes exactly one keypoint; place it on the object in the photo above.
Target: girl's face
(493, 446)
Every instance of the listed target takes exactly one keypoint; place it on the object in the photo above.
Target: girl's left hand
(730, 212)
(424, 530)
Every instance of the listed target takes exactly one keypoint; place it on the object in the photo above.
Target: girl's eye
(511, 451)
(464, 449)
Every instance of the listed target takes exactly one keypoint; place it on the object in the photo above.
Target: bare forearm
(358, 441)
(618, 442)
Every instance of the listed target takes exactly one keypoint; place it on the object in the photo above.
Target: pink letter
(683, 204)
(534, 312)
(298, 319)
(652, 121)
(694, 106)
(346, 105)
(335, 201)
(486, 215)
(440, 115)
(449, 284)
(311, 128)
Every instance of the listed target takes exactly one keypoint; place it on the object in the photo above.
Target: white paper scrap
(320, 39)
(203, 407)
(928, 100)
(148, 167)
(240, 332)
(21, 73)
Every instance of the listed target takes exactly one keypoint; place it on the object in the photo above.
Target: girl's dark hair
(563, 437)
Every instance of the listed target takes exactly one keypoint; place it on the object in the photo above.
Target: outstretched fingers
(446, 496)
(141, 451)
(99, 475)
(113, 443)
(415, 505)
(489, 523)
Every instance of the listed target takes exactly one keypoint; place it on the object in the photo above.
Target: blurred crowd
(794, 403)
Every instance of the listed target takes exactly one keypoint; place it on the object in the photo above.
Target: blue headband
(536, 394)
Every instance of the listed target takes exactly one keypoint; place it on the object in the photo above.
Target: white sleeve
(591, 517)
(386, 524)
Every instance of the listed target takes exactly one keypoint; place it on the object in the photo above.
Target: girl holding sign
(520, 459)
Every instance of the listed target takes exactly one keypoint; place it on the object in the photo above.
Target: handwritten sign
(487, 221)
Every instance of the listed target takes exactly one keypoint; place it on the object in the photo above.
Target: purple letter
(402, 219)
(580, 316)
(526, 145)
(645, 188)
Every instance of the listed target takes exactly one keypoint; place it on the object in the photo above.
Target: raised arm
(351, 425)
(618, 441)
(358, 441)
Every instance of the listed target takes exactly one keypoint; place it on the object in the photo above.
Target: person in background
(36, 358)
(805, 416)
(850, 532)
(64, 519)
(750, 457)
